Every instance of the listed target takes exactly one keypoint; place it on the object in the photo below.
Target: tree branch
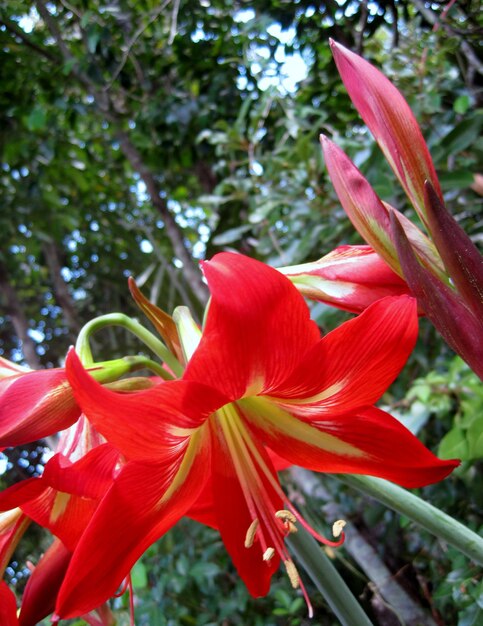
(20, 322)
(61, 291)
(22, 35)
(154, 16)
(173, 231)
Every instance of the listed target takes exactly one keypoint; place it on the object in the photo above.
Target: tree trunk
(61, 290)
(174, 232)
(14, 310)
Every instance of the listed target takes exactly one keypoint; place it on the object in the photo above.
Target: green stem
(416, 509)
(142, 362)
(327, 579)
(119, 319)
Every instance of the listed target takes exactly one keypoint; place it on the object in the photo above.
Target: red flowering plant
(260, 383)
(254, 390)
(62, 500)
(37, 404)
(442, 269)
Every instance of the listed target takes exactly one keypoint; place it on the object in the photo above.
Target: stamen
(307, 600)
(291, 528)
(286, 516)
(123, 587)
(251, 532)
(131, 602)
(268, 554)
(292, 573)
(315, 535)
(337, 527)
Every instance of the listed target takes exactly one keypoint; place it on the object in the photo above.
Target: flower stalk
(327, 579)
(119, 319)
(432, 519)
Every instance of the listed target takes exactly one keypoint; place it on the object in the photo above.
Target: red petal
(13, 524)
(66, 496)
(391, 121)
(234, 519)
(79, 439)
(35, 405)
(8, 606)
(363, 206)
(460, 255)
(7, 368)
(369, 441)
(203, 510)
(456, 323)
(257, 327)
(371, 217)
(143, 503)
(354, 364)
(40, 593)
(163, 322)
(279, 463)
(349, 277)
(146, 424)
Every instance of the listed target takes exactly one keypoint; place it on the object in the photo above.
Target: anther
(337, 527)
(292, 573)
(251, 532)
(290, 527)
(286, 516)
(268, 554)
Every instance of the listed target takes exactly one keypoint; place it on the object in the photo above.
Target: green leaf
(139, 576)
(462, 104)
(454, 445)
(36, 120)
(458, 179)
(263, 210)
(86, 18)
(474, 435)
(461, 137)
(230, 236)
(68, 66)
(93, 38)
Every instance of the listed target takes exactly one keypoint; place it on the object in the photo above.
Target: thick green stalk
(416, 509)
(327, 579)
(139, 362)
(119, 319)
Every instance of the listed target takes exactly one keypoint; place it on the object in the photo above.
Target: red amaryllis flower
(38, 403)
(62, 500)
(8, 606)
(34, 405)
(445, 270)
(349, 277)
(40, 592)
(13, 524)
(260, 376)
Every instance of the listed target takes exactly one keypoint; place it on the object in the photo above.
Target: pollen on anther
(251, 532)
(268, 554)
(292, 573)
(286, 516)
(337, 527)
(291, 528)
